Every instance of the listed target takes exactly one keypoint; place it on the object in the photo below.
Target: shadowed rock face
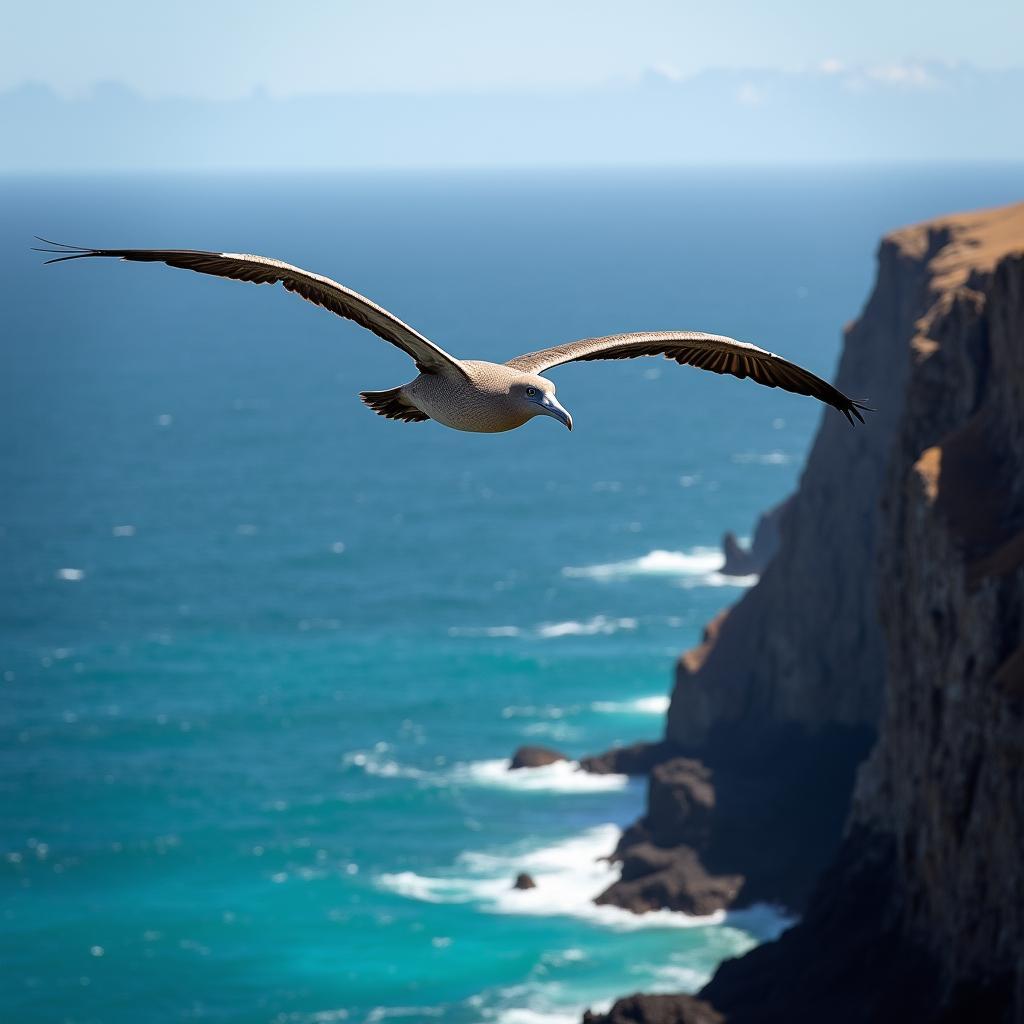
(946, 781)
(895, 602)
(782, 794)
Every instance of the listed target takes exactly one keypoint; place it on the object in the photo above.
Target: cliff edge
(890, 620)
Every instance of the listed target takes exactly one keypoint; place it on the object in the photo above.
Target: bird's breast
(464, 404)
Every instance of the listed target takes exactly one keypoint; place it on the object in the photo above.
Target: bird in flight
(471, 394)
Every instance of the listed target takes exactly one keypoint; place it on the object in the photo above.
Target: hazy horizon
(833, 113)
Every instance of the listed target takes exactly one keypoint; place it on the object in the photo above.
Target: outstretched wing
(321, 291)
(705, 351)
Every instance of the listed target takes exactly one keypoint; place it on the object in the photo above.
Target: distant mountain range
(912, 111)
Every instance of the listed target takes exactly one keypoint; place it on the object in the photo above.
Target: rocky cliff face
(894, 607)
(944, 787)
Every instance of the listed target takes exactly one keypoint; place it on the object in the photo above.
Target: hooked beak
(550, 406)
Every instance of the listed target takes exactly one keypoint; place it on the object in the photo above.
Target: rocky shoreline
(848, 739)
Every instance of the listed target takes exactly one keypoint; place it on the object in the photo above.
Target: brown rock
(655, 878)
(534, 757)
(681, 803)
(524, 881)
(641, 1009)
(692, 661)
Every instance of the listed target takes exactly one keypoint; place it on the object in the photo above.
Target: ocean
(264, 655)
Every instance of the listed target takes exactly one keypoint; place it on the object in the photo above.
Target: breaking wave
(698, 567)
(597, 625)
(568, 875)
(695, 562)
(560, 777)
(641, 706)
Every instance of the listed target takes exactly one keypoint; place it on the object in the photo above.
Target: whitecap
(719, 579)
(427, 890)
(657, 705)
(383, 767)
(599, 625)
(560, 777)
(772, 458)
(697, 561)
(71, 575)
(523, 1015)
(493, 631)
(568, 875)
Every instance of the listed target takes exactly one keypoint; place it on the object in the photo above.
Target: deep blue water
(262, 652)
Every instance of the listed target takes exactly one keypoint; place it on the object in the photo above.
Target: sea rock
(739, 560)
(656, 878)
(524, 881)
(641, 1009)
(535, 757)
(783, 795)
(751, 561)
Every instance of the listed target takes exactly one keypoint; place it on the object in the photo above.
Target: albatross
(472, 394)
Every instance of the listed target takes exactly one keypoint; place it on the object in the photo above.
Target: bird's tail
(393, 405)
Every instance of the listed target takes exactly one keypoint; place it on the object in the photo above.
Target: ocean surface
(263, 655)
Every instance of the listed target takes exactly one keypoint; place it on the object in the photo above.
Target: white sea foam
(641, 706)
(384, 767)
(679, 977)
(541, 1001)
(528, 1016)
(484, 631)
(71, 575)
(569, 874)
(695, 562)
(698, 567)
(718, 579)
(773, 458)
(560, 777)
(598, 625)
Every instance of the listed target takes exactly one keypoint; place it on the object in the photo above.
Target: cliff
(893, 614)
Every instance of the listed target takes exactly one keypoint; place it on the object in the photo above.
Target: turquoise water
(263, 652)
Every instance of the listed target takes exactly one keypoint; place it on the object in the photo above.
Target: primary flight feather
(473, 395)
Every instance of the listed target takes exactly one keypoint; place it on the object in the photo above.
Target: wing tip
(62, 251)
(854, 407)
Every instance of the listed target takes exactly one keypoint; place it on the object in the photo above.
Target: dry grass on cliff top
(978, 240)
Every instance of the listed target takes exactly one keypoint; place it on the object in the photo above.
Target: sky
(231, 48)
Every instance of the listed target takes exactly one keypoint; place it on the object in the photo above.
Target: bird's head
(535, 396)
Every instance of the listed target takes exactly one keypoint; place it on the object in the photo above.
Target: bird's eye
(531, 392)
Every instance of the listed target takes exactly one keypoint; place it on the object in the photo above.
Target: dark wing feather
(705, 351)
(321, 291)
